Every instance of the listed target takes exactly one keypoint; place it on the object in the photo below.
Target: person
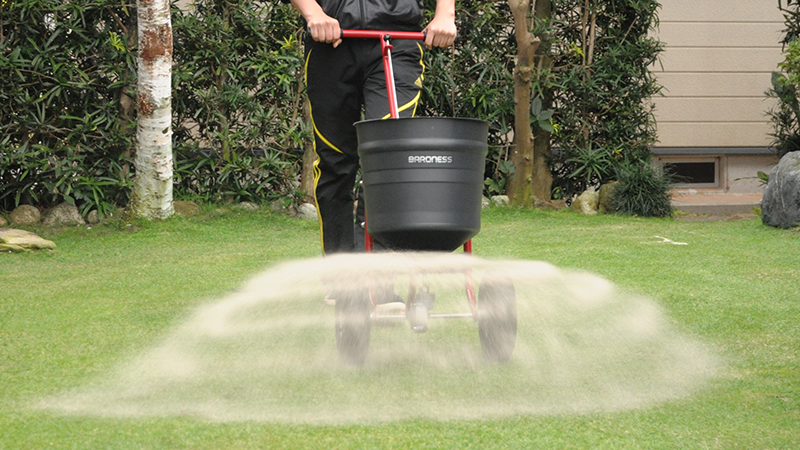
(344, 78)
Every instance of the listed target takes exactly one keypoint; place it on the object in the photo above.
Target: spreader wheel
(352, 311)
(497, 317)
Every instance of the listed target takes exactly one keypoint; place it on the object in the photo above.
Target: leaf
(506, 167)
(536, 106)
(546, 115)
(546, 125)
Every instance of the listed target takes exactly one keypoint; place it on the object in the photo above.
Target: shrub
(785, 115)
(642, 190)
(237, 102)
(67, 80)
(602, 52)
(67, 114)
(475, 79)
(66, 72)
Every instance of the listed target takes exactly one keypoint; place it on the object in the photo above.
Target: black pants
(342, 83)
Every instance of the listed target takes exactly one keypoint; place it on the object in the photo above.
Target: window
(694, 172)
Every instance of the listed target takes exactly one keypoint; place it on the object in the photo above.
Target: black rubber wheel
(352, 311)
(497, 317)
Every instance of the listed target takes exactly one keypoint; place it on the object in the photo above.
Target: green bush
(597, 103)
(642, 190)
(67, 80)
(475, 79)
(237, 101)
(66, 72)
(785, 115)
(602, 52)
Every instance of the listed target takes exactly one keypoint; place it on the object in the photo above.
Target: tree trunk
(309, 158)
(152, 189)
(542, 178)
(520, 189)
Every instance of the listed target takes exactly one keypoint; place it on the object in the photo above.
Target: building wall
(716, 68)
(736, 173)
(717, 65)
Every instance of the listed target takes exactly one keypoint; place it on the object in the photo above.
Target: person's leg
(335, 100)
(409, 71)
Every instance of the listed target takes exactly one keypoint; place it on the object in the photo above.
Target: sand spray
(267, 351)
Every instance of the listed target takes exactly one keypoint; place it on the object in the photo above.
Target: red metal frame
(391, 92)
(386, 51)
(373, 34)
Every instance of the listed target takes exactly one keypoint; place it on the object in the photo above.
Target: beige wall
(716, 67)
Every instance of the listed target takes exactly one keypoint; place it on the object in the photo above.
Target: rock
(500, 200)
(307, 211)
(485, 203)
(277, 206)
(247, 206)
(586, 203)
(604, 201)
(3, 221)
(93, 217)
(25, 215)
(780, 205)
(20, 241)
(63, 214)
(549, 205)
(185, 208)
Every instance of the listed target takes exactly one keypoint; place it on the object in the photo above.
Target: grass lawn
(71, 315)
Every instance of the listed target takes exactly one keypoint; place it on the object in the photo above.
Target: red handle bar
(373, 34)
(386, 49)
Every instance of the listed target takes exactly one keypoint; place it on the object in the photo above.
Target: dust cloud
(268, 353)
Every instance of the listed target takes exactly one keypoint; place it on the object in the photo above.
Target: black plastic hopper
(423, 180)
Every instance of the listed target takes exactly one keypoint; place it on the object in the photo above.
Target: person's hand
(440, 32)
(325, 28)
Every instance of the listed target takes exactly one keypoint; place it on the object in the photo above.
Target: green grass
(71, 315)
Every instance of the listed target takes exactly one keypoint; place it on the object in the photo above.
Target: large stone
(186, 208)
(606, 192)
(549, 205)
(780, 205)
(500, 200)
(20, 241)
(246, 206)
(586, 203)
(93, 217)
(307, 211)
(25, 215)
(277, 206)
(63, 215)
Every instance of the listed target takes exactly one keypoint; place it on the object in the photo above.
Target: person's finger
(429, 38)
